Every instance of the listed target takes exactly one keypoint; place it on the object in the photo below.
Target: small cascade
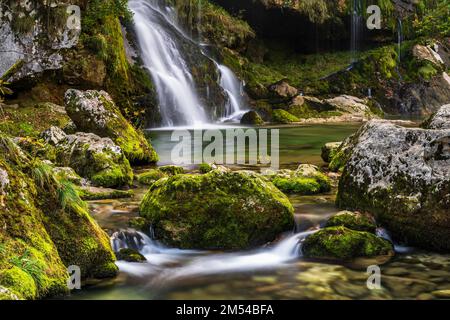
(235, 106)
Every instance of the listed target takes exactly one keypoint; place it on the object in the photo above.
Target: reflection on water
(300, 144)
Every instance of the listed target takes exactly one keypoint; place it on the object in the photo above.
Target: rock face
(402, 175)
(97, 159)
(95, 111)
(349, 104)
(440, 120)
(45, 228)
(217, 210)
(27, 35)
(282, 89)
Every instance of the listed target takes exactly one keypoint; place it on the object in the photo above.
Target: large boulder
(349, 104)
(283, 90)
(252, 118)
(95, 111)
(329, 150)
(440, 120)
(217, 210)
(97, 159)
(45, 229)
(402, 175)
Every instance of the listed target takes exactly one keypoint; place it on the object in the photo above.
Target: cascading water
(158, 36)
(194, 263)
(235, 106)
(178, 100)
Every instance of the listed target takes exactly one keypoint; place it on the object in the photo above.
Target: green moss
(284, 117)
(19, 282)
(171, 170)
(344, 244)
(139, 223)
(23, 24)
(252, 118)
(205, 168)
(202, 211)
(305, 186)
(89, 195)
(354, 221)
(130, 255)
(427, 71)
(151, 176)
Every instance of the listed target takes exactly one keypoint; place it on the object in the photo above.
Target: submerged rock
(130, 255)
(95, 111)
(344, 244)
(217, 210)
(402, 176)
(97, 159)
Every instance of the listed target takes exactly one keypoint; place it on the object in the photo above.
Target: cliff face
(36, 33)
(81, 44)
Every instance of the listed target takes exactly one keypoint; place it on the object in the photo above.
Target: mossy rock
(217, 210)
(139, 223)
(130, 255)
(92, 157)
(341, 243)
(19, 282)
(329, 151)
(95, 111)
(171, 170)
(306, 180)
(46, 228)
(283, 117)
(252, 118)
(92, 193)
(352, 220)
(205, 168)
(151, 176)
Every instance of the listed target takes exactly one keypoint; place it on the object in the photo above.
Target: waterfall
(160, 40)
(399, 38)
(178, 100)
(356, 28)
(234, 109)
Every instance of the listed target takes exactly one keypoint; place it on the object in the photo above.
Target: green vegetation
(354, 221)
(284, 117)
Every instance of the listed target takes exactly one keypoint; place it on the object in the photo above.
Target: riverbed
(275, 271)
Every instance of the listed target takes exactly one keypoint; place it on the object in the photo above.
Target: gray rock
(349, 104)
(402, 175)
(441, 119)
(97, 159)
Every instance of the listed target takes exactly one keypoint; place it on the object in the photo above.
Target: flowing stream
(160, 40)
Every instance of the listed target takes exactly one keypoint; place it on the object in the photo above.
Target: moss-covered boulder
(217, 210)
(329, 151)
(402, 176)
(283, 117)
(252, 118)
(171, 170)
(151, 176)
(45, 228)
(97, 159)
(95, 111)
(352, 220)
(205, 168)
(306, 180)
(341, 243)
